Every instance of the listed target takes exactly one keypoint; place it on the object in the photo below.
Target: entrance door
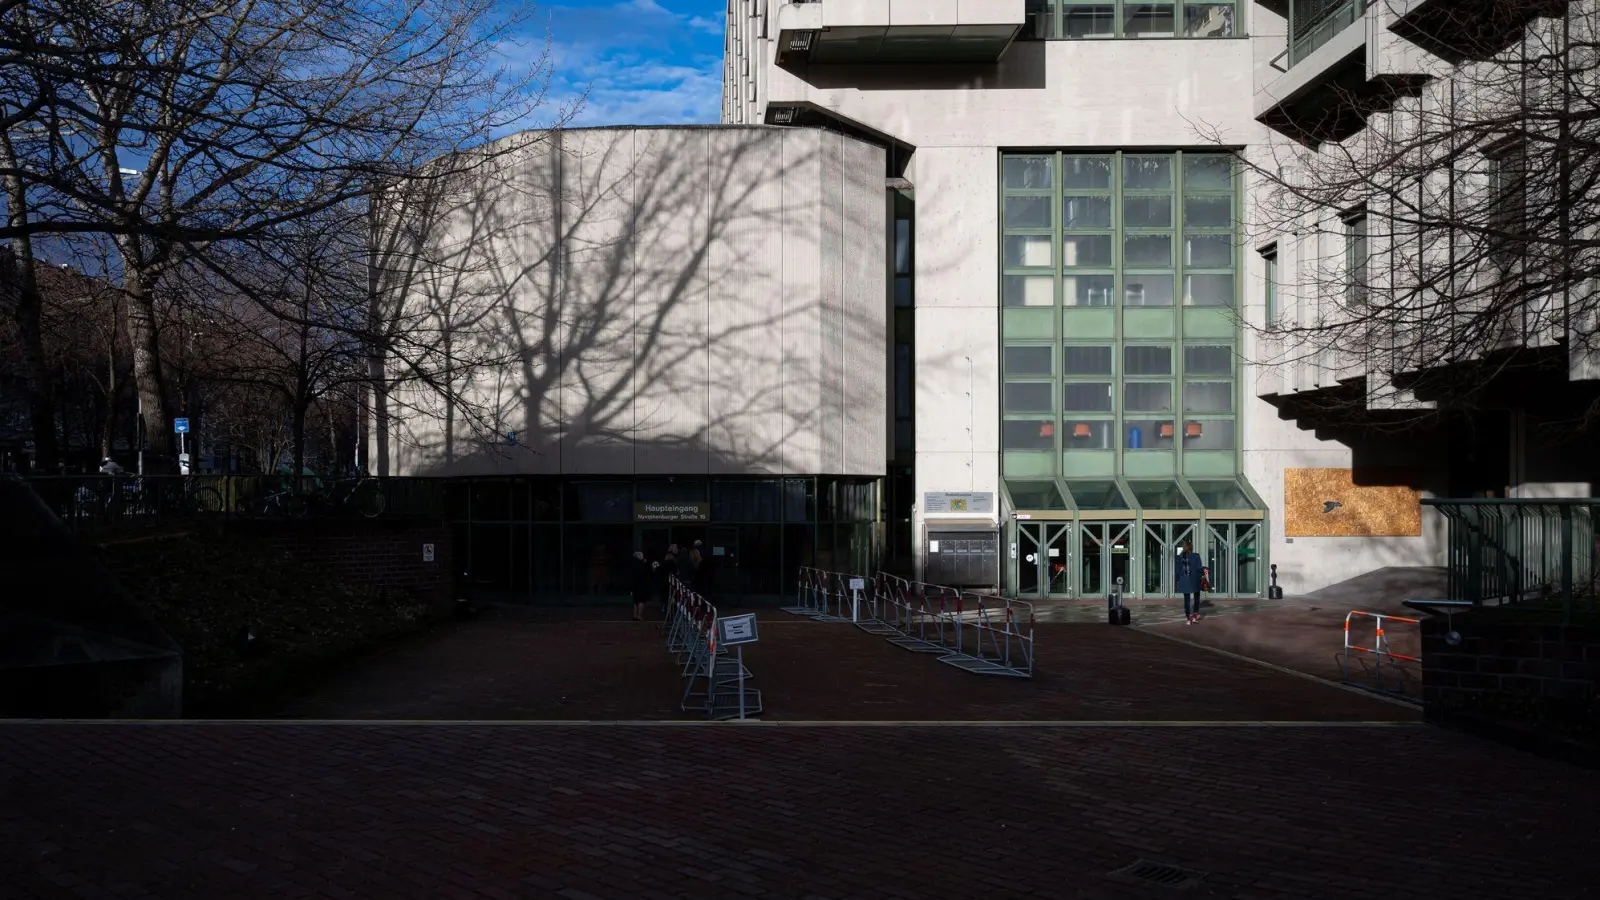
(1044, 559)
(1031, 577)
(1162, 542)
(1233, 556)
(1105, 555)
(726, 585)
(654, 540)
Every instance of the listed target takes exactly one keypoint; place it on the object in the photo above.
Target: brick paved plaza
(1313, 792)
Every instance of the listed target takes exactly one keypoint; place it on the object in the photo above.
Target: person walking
(689, 569)
(643, 584)
(1189, 582)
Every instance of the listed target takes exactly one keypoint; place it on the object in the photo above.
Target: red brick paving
(594, 665)
(288, 810)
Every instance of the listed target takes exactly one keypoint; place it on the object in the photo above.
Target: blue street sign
(511, 438)
(180, 426)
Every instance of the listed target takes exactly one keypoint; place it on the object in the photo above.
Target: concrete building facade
(1097, 295)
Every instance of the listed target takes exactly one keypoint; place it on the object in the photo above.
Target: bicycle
(197, 497)
(361, 493)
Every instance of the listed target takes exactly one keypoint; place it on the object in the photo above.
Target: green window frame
(1134, 19)
(1130, 250)
(1357, 258)
(1031, 426)
(1269, 261)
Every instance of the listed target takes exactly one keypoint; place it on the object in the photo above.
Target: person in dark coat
(643, 584)
(665, 572)
(1189, 572)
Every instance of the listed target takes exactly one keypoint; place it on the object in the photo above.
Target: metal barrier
(977, 633)
(1380, 655)
(715, 682)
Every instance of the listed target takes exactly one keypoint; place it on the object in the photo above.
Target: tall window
(1092, 19)
(1508, 203)
(1356, 257)
(1117, 288)
(1269, 258)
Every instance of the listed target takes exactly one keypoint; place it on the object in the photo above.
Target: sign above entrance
(939, 502)
(672, 512)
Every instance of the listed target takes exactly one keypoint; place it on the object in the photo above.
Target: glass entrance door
(1162, 542)
(1105, 553)
(1233, 557)
(1030, 564)
(1044, 559)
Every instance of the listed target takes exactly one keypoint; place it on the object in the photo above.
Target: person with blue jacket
(1190, 574)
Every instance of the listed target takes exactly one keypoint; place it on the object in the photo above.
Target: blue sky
(644, 62)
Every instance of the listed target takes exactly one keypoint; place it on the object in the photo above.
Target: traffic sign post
(180, 427)
(735, 632)
(857, 585)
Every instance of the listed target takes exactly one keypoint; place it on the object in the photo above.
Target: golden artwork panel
(1328, 503)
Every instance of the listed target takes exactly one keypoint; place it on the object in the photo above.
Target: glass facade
(1120, 371)
(1119, 281)
(1101, 19)
(560, 540)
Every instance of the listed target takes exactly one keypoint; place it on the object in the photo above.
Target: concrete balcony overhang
(827, 32)
(804, 114)
(1460, 30)
(1329, 95)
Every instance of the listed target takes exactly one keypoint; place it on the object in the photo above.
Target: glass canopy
(1158, 495)
(1168, 495)
(1040, 495)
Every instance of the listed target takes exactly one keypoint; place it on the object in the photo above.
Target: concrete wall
(660, 300)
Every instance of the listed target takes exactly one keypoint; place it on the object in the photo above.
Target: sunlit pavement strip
(652, 723)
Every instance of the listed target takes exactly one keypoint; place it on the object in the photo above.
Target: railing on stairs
(1530, 553)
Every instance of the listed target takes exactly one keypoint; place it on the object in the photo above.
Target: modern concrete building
(1094, 295)
(1022, 293)
(677, 336)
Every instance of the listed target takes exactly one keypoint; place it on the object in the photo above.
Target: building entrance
(1044, 559)
(1105, 553)
(1162, 543)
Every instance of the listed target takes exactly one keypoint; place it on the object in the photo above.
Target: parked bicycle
(361, 494)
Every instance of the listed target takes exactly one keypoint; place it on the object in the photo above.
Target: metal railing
(974, 632)
(1532, 554)
(92, 503)
(715, 682)
(1382, 669)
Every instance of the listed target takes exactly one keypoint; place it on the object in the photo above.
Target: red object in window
(1191, 430)
(1166, 429)
(1047, 429)
(1080, 430)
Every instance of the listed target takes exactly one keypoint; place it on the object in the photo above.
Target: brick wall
(1533, 685)
(378, 554)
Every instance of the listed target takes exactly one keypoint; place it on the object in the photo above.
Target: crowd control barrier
(974, 632)
(716, 683)
(1382, 669)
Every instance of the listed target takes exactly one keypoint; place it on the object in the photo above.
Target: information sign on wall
(940, 502)
(672, 512)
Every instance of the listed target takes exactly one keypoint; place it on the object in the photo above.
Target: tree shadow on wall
(655, 301)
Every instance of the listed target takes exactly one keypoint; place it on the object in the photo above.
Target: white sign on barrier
(735, 630)
(858, 584)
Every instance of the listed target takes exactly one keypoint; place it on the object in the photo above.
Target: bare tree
(1454, 239)
(178, 127)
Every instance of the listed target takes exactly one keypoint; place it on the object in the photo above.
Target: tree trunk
(145, 348)
(21, 288)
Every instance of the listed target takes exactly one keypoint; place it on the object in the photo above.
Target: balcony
(847, 32)
(1341, 70)
(1461, 30)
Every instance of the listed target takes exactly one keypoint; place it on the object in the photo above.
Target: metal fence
(974, 632)
(715, 682)
(88, 503)
(1539, 554)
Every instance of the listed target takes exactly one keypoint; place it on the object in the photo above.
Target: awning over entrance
(1115, 498)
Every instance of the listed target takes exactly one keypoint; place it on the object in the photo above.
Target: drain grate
(1161, 874)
